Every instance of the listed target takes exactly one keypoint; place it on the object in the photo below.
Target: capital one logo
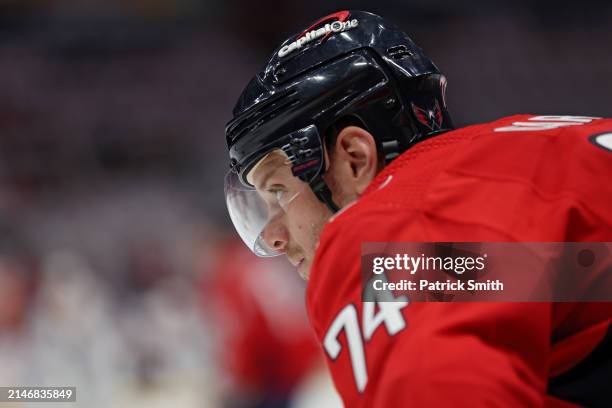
(339, 24)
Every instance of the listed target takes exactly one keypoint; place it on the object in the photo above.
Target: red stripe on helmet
(341, 16)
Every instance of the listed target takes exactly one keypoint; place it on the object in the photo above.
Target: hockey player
(343, 138)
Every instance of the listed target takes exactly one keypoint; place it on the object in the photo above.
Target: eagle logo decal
(431, 118)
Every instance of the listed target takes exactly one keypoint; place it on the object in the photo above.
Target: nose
(275, 235)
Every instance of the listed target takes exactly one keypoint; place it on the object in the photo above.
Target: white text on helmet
(335, 27)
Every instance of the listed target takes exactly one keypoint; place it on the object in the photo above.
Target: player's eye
(276, 191)
(278, 194)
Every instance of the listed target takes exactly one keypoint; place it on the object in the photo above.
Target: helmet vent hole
(399, 52)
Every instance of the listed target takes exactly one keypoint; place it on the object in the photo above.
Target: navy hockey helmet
(350, 64)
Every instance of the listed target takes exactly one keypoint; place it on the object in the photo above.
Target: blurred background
(119, 272)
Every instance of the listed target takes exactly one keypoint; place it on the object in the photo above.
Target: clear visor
(252, 209)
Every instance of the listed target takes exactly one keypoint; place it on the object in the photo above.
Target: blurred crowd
(118, 273)
(140, 341)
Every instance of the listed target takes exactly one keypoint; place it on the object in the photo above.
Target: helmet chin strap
(323, 193)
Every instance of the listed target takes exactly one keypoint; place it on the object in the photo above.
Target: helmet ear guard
(305, 152)
(304, 149)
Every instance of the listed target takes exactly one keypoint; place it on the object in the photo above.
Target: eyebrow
(268, 163)
(266, 176)
(268, 172)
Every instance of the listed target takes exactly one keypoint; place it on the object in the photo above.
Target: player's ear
(355, 160)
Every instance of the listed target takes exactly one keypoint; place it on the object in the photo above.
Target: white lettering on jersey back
(579, 119)
(603, 140)
(546, 123)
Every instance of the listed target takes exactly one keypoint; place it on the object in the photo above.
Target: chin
(304, 270)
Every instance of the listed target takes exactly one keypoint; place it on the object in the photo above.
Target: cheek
(339, 185)
(304, 230)
(309, 216)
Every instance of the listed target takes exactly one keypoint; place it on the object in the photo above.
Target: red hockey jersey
(521, 178)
